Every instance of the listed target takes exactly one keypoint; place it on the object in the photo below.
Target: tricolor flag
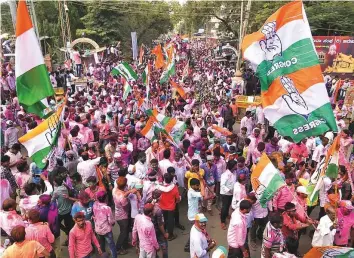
(146, 79)
(126, 71)
(40, 141)
(294, 95)
(126, 89)
(330, 252)
(327, 166)
(170, 67)
(159, 61)
(178, 88)
(265, 180)
(33, 85)
(173, 127)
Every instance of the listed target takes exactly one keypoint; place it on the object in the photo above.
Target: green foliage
(109, 22)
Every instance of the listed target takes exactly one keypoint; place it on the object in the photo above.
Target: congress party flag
(294, 95)
(41, 140)
(266, 180)
(330, 252)
(126, 71)
(33, 85)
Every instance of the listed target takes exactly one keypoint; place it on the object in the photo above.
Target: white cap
(301, 189)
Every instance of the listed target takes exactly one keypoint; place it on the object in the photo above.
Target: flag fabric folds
(126, 89)
(141, 54)
(283, 56)
(126, 71)
(170, 67)
(178, 88)
(266, 180)
(32, 81)
(40, 141)
(330, 252)
(159, 61)
(328, 166)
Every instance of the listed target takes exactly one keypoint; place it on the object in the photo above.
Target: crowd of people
(105, 171)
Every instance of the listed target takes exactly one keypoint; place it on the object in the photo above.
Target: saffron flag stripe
(288, 13)
(300, 79)
(23, 23)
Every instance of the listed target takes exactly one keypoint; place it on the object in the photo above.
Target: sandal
(181, 227)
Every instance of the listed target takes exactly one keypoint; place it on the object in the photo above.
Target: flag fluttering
(126, 89)
(185, 71)
(126, 71)
(283, 56)
(265, 180)
(41, 141)
(178, 88)
(330, 252)
(33, 85)
(328, 166)
(222, 130)
(170, 67)
(159, 61)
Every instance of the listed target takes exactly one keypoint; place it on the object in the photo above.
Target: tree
(109, 22)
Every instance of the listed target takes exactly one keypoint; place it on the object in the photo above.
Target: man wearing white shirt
(141, 167)
(323, 195)
(239, 191)
(260, 215)
(247, 121)
(320, 150)
(326, 229)
(227, 182)
(87, 167)
(165, 163)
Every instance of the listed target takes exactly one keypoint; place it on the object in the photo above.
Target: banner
(134, 45)
(335, 54)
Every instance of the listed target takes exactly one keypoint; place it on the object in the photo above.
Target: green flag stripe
(37, 108)
(275, 183)
(297, 127)
(165, 121)
(34, 85)
(298, 56)
(332, 170)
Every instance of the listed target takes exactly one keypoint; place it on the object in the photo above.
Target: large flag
(146, 79)
(330, 252)
(294, 95)
(327, 166)
(40, 141)
(125, 70)
(159, 61)
(265, 180)
(221, 130)
(178, 88)
(32, 81)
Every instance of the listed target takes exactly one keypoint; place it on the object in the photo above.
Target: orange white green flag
(266, 180)
(41, 140)
(294, 95)
(33, 85)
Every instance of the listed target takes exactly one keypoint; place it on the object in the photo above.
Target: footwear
(173, 237)
(186, 249)
(122, 252)
(210, 212)
(223, 226)
(181, 227)
(66, 243)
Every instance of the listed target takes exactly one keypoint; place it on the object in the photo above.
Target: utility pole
(243, 28)
(64, 25)
(13, 7)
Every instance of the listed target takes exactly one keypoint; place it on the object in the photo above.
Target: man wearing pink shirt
(104, 221)
(298, 151)
(39, 231)
(81, 238)
(237, 232)
(285, 194)
(144, 230)
(345, 229)
(9, 217)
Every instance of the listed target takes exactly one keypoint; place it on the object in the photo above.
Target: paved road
(176, 247)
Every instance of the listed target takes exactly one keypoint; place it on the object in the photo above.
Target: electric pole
(243, 28)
